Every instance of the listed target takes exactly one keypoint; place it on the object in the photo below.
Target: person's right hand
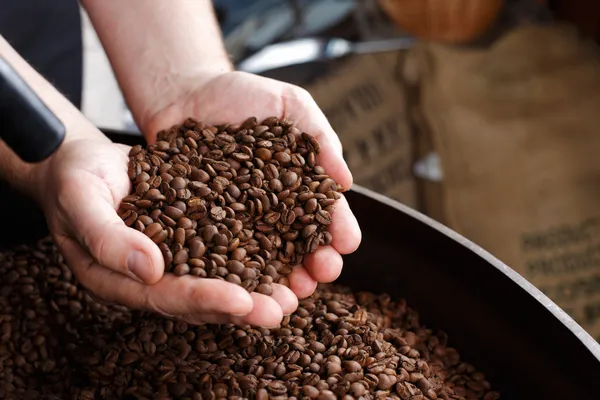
(80, 189)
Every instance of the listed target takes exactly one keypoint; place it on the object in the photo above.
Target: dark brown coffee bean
(160, 237)
(265, 288)
(173, 212)
(185, 223)
(326, 185)
(323, 217)
(309, 230)
(289, 178)
(263, 153)
(181, 257)
(311, 206)
(197, 247)
(235, 267)
(298, 160)
(141, 177)
(271, 172)
(182, 269)
(196, 262)
(209, 232)
(153, 229)
(154, 195)
(143, 203)
(167, 221)
(265, 243)
(283, 158)
(288, 217)
(200, 175)
(142, 188)
(276, 185)
(217, 213)
(233, 278)
(179, 236)
(270, 122)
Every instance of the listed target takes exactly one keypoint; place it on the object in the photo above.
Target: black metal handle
(27, 125)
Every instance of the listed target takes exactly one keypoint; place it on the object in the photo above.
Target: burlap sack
(517, 128)
(365, 104)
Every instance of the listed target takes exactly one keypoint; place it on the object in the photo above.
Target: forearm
(21, 175)
(159, 49)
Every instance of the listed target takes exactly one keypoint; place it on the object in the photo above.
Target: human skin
(169, 60)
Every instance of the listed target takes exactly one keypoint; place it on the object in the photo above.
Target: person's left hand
(232, 97)
(79, 188)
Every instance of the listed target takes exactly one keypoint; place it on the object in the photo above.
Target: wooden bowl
(449, 21)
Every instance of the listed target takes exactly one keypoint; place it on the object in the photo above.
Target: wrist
(159, 50)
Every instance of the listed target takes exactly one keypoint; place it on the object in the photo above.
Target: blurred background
(482, 114)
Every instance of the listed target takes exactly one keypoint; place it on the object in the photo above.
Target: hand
(232, 97)
(81, 187)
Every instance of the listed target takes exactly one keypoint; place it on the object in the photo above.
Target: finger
(189, 294)
(324, 265)
(286, 298)
(112, 244)
(266, 312)
(301, 283)
(308, 117)
(344, 228)
(172, 295)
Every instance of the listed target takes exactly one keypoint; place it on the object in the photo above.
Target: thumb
(110, 242)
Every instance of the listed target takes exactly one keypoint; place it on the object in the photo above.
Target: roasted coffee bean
(58, 342)
(265, 288)
(181, 269)
(197, 247)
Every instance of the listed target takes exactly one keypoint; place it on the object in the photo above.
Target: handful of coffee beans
(243, 203)
(58, 343)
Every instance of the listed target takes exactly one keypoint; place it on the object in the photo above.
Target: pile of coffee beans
(58, 343)
(243, 203)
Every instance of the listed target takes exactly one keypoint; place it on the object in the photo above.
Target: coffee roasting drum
(515, 335)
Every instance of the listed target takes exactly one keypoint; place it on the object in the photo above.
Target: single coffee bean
(152, 229)
(174, 212)
(265, 288)
(182, 269)
(181, 257)
(323, 217)
(235, 267)
(197, 247)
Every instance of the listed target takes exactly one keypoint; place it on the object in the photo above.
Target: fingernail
(139, 266)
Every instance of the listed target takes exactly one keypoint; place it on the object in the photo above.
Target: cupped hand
(84, 182)
(81, 188)
(232, 97)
